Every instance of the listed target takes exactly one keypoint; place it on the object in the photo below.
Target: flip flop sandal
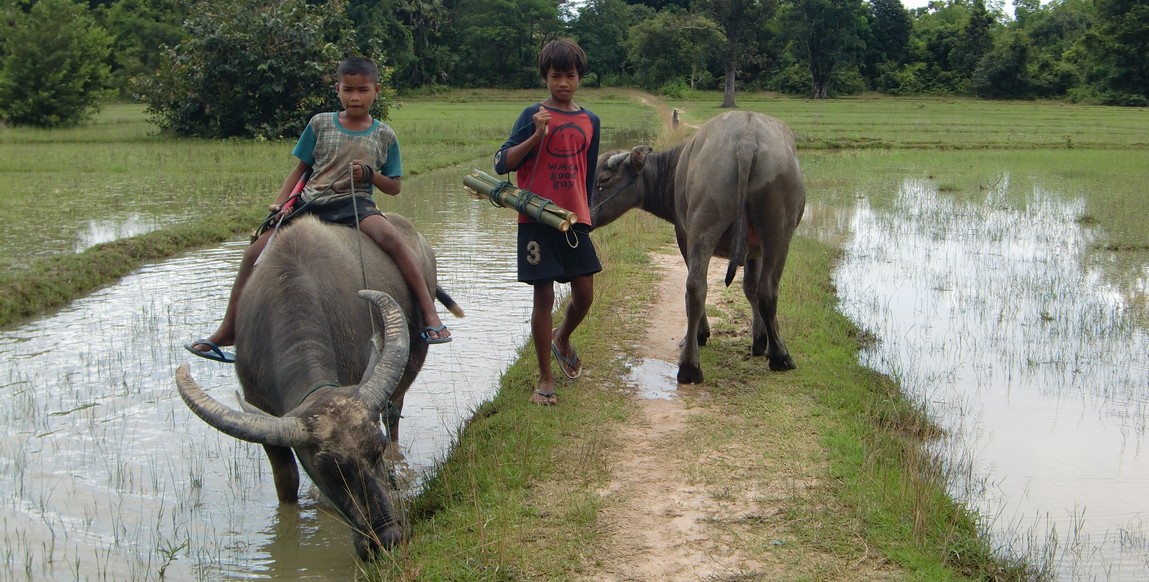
(216, 354)
(438, 330)
(572, 366)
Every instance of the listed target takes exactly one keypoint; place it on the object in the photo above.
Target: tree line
(219, 68)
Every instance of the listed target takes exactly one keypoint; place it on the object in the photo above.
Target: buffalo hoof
(759, 347)
(703, 338)
(782, 363)
(689, 374)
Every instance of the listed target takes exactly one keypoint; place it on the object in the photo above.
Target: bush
(55, 68)
(794, 80)
(254, 68)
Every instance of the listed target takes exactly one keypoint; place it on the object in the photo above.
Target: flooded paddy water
(105, 473)
(1026, 343)
(996, 312)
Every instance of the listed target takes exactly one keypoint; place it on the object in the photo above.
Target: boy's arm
(288, 185)
(528, 132)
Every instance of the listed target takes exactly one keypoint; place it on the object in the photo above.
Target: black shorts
(340, 211)
(547, 254)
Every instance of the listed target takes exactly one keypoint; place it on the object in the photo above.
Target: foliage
(672, 46)
(141, 30)
(1113, 55)
(1090, 50)
(825, 34)
(1003, 73)
(252, 68)
(601, 29)
(739, 20)
(497, 41)
(55, 65)
(887, 39)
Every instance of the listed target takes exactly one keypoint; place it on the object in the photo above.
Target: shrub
(55, 67)
(254, 68)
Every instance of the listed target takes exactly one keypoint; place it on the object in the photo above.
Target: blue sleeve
(524, 127)
(393, 167)
(592, 156)
(305, 147)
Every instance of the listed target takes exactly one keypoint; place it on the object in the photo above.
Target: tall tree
(976, 40)
(890, 27)
(601, 28)
(671, 46)
(425, 20)
(740, 21)
(829, 32)
(140, 30)
(55, 66)
(497, 41)
(1126, 24)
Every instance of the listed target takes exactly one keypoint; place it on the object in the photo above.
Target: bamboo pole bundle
(502, 193)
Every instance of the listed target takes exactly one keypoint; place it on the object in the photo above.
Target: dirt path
(663, 527)
(665, 521)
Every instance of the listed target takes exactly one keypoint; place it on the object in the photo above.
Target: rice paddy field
(994, 255)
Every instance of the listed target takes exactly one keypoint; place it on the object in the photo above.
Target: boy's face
(562, 84)
(357, 93)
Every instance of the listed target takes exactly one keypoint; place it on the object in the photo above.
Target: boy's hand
(541, 118)
(361, 173)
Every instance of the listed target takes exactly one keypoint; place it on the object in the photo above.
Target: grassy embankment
(482, 517)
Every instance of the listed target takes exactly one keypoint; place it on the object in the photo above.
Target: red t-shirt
(561, 168)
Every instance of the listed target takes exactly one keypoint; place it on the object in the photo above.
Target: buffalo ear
(638, 156)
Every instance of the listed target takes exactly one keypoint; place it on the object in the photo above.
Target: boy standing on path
(349, 153)
(552, 150)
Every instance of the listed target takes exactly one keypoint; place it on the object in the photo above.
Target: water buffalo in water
(317, 374)
(734, 189)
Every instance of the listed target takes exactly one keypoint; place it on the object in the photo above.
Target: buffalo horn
(257, 428)
(613, 162)
(380, 381)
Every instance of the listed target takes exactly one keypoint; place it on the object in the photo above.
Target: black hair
(359, 66)
(562, 54)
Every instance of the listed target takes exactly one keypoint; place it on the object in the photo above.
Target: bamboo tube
(501, 193)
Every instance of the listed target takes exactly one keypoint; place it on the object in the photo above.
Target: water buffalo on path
(317, 374)
(734, 190)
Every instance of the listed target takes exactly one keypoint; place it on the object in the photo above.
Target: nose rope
(358, 226)
(615, 193)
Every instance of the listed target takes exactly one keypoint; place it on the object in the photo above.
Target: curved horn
(257, 428)
(616, 160)
(380, 382)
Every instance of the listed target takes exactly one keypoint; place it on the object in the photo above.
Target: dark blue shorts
(547, 254)
(339, 211)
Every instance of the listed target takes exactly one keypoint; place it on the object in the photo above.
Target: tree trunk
(728, 86)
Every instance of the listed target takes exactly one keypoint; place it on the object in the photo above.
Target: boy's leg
(384, 235)
(224, 335)
(541, 320)
(582, 296)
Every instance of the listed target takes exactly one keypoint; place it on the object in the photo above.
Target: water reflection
(1033, 363)
(104, 472)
